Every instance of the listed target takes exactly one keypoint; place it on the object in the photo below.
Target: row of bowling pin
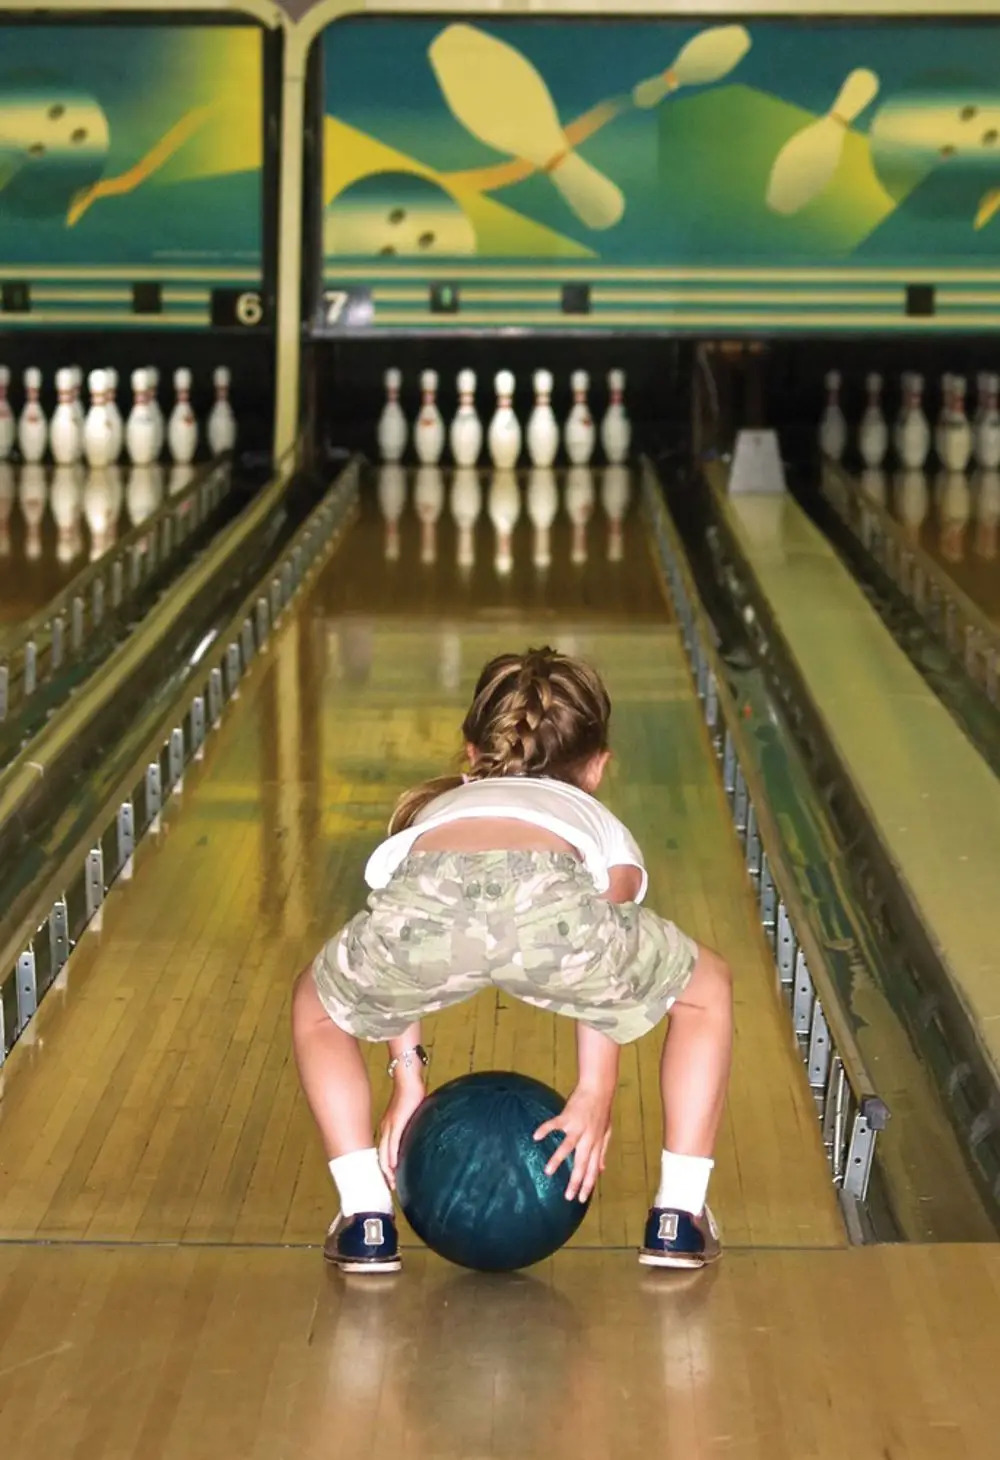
(949, 502)
(503, 436)
(504, 503)
(76, 494)
(101, 433)
(955, 438)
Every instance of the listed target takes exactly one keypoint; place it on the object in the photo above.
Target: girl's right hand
(407, 1097)
(585, 1122)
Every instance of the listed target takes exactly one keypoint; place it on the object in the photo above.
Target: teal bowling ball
(471, 1179)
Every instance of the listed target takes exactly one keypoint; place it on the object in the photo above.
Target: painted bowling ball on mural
(949, 136)
(53, 142)
(396, 214)
(471, 1177)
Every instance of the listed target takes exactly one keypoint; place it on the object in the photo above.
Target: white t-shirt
(600, 838)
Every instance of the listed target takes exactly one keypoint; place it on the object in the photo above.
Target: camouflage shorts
(530, 923)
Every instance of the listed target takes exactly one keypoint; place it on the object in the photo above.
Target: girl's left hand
(407, 1097)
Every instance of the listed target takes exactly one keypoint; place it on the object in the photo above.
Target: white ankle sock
(360, 1183)
(683, 1182)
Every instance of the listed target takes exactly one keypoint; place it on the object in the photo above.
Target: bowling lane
(53, 520)
(953, 516)
(157, 1100)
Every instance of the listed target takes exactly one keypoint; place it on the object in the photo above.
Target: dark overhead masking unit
(920, 300)
(576, 299)
(444, 299)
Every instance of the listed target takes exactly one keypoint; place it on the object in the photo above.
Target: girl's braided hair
(540, 713)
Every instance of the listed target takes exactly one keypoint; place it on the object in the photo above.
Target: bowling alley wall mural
(764, 174)
(129, 153)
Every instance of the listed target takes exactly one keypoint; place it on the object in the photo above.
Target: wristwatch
(408, 1059)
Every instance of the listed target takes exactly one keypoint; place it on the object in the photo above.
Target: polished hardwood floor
(162, 1194)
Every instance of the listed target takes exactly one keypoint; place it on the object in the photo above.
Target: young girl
(514, 876)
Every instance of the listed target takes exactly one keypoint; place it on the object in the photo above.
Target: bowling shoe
(367, 1242)
(677, 1239)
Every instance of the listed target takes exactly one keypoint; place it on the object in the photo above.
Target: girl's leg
(332, 1072)
(694, 1068)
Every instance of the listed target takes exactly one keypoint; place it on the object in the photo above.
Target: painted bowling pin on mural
(706, 57)
(616, 428)
(873, 433)
(8, 426)
(392, 430)
(502, 100)
(504, 435)
(809, 159)
(543, 430)
(428, 431)
(832, 426)
(579, 432)
(986, 442)
(466, 434)
(32, 427)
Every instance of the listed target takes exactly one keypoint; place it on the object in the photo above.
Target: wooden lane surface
(190, 1353)
(157, 1100)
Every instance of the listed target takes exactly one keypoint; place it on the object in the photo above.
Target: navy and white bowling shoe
(366, 1242)
(677, 1239)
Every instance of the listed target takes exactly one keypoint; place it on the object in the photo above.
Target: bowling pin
(616, 429)
(957, 440)
(115, 415)
(615, 493)
(504, 508)
(8, 491)
(543, 504)
(543, 431)
(807, 162)
(953, 515)
(873, 434)
(914, 440)
(832, 426)
(912, 500)
(143, 491)
(706, 57)
(987, 511)
(579, 506)
(501, 99)
(8, 426)
(32, 427)
(32, 494)
(466, 503)
(66, 426)
(182, 428)
(466, 434)
(391, 432)
(941, 424)
(98, 427)
(987, 433)
(153, 375)
(221, 428)
(579, 432)
(428, 432)
(391, 494)
(77, 380)
(428, 502)
(504, 435)
(67, 506)
(140, 428)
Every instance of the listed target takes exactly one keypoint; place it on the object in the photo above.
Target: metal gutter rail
(850, 1110)
(61, 635)
(69, 892)
(949, 613)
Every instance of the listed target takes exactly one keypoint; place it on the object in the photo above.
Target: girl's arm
(408, 1094)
